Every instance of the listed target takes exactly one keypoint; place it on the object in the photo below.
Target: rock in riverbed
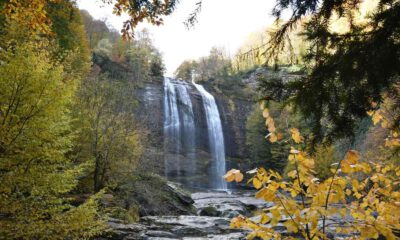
(215, 209)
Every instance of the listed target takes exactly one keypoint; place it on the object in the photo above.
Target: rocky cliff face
(150, 116)
(234, 111)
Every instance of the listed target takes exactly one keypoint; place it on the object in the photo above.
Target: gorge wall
(233, 110)
(150, 115)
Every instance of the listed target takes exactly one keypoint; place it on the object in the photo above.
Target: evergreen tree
(260, 150)
(349, 70)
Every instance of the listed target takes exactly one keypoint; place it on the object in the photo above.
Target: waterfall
(188, 132)
(172, 133)
(180, 136)
(216, 138)
(179, 131)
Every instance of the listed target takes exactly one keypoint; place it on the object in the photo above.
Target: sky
(221, 23)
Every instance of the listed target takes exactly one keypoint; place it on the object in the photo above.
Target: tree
(157, 67)
(96, 30)
(43, 58)
(260, 150)
(252, 53)
(349, 70)
(213, 66)
(308, 207)
(33, 14)
(107, 132)
(35, 136)
(209, 68)
(69, 33)
(144, 59)
(185, 70)
(324, 157)
(139, 10)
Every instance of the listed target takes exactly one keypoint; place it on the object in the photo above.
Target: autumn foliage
(360, 200)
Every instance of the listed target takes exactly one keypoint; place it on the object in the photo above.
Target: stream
(214, 210)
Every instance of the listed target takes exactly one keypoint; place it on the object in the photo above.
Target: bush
(309, 208)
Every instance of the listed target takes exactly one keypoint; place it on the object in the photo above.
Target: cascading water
(180, 137)
(172, 133)
(179, 131)
(216, 138)
(188, 131)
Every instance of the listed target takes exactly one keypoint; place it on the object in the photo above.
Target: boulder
(181, 194)
(152, 195)
(209, 211)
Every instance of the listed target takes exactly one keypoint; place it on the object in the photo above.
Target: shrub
(308, 207)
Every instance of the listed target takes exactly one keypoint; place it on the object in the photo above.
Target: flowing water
(180, 135)
(216, 138)
(172, 133)
(188, 130)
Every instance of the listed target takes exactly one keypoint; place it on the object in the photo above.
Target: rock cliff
(234, 110)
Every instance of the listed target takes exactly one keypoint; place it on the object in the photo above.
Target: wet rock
(180, 193)
(209, 211)
(227, 205)
(153, 195)
(192, 226)
(229, 236)
(160, 234)
(232, 214)
(189, 231)
(205, 227)
(127, 227)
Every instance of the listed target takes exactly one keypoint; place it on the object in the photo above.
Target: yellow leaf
(387, 233)
(293, 193)
(292, 174)
(276, 216)
(261, 193)
(262, 104)
(345, 167)
(264, 218)
(257, 183)
(238, 177)
(377, 117)
(296, 135)
(233, 175)
(269, 196)
(273, 138)
(269, 121)
(265, 113)
(348, 192)
(290, 226)
(369, 232)
(237, 222)
(279, 136)
(271, 128)
(229, 176)
(352, 157)
(343, 212)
